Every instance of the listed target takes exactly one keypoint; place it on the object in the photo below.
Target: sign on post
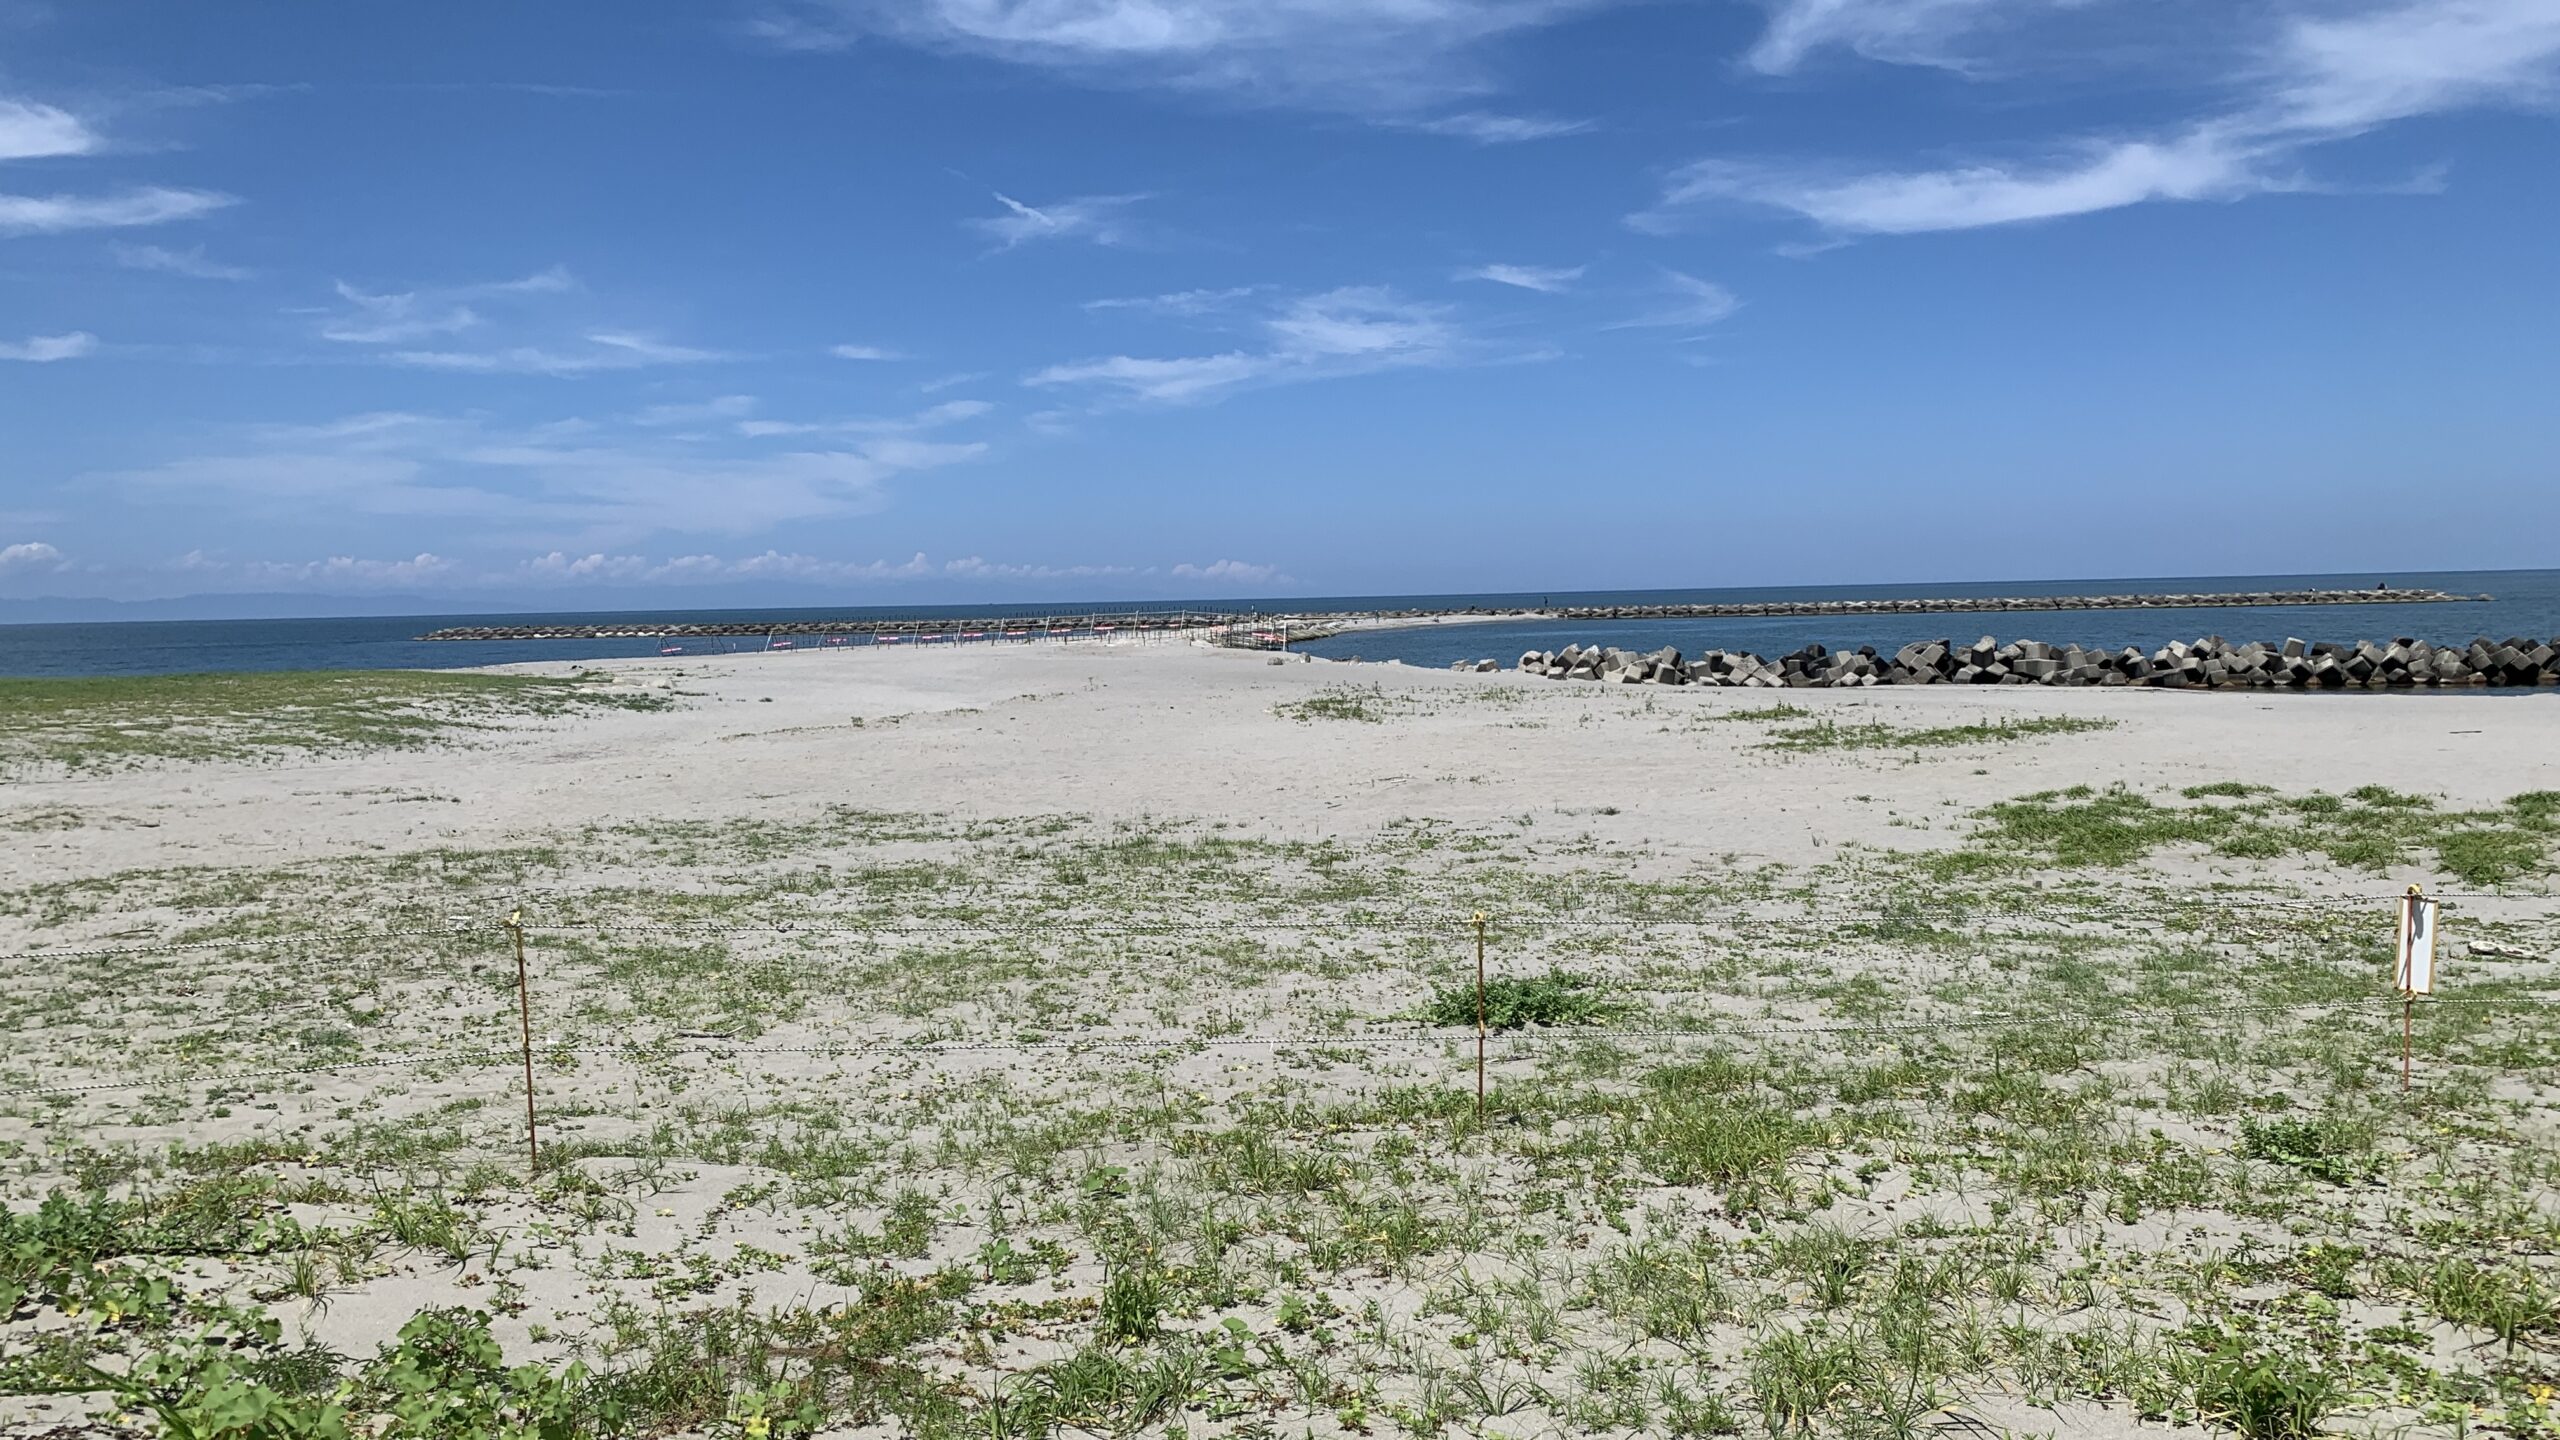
(2415, 973)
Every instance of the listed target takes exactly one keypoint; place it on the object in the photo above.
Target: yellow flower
(759, 1427)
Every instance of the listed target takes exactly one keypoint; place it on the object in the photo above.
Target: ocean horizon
(2522, 602)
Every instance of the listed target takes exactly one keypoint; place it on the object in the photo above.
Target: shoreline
(1316, 625)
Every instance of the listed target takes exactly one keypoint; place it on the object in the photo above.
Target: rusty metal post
(1480, 1020)
(524, 1018)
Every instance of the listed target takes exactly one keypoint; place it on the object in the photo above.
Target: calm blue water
(2526, 602)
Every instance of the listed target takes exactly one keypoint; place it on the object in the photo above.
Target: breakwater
(2210, 663)
(1267, 628)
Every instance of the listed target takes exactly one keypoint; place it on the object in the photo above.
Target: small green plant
(1133, 1305)
(2266, 1397)
(2327, 1148)
(1511, 1003)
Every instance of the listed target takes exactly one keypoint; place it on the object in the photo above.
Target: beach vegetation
(1828, 733)
(2367, 829)
(104, 723)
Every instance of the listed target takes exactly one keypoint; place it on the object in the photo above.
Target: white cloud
(28, 556)
(1546, 279)
(608, 351)
(45, 348)
(574, 483)
(392, 319)
(2341, 74)
(1230, 572)
(599, 567)
(191, 263)
(1485, 128)
(2323, 77)
(1350, 331)
(150, 205)
(1694, 304)
(2105, 177)
(863, 352)
(1905, 32)
(696, 412)
(521, 309)
(1179, 302)
(339, 572)
(1097, 218)
(29, 131)
(1378, 57)
(950, 412)
(1170, 381)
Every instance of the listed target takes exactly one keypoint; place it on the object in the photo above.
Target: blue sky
(884, 303)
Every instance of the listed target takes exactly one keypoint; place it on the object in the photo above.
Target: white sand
(1175, 732)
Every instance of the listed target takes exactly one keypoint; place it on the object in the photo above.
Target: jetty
(1268, 627)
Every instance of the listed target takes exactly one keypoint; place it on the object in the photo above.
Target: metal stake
(524, 1016)
(1480, 1020)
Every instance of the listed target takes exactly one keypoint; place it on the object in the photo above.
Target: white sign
(2415, 974)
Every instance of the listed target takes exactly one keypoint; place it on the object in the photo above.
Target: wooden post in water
(524, 1018)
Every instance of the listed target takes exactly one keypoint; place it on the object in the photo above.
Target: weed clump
(2337, 1151)
(1511, 1004)
(2266, 1397)
(1827, 734)
(1367, 704)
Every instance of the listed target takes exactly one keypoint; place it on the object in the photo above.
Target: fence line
(2205, 907)
(1448, 1036)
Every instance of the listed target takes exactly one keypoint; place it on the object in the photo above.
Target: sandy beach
(965, 986)
(1184, 733)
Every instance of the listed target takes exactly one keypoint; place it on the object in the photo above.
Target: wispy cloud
(190, 263)
(396, 317)
(1692, 304)
(695, 412)
(1179, 302)
(44, 348)
(29, 131)
(863, 352)
(585, 484)
(1351, 331)
(2103, 176)
(1100, 219)
(949, 412)
(1487, 128)
(1546, 279)
(565, 569)
(391, 319)
(1903, 32)
(603, 351)
(150, 205)
(523, 315)
(1387, 58)
(2322, 78)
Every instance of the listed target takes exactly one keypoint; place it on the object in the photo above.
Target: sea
(2521, 602)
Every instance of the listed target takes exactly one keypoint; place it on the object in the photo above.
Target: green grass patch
(2369, 828)
(116, 722)
(1830, 734)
